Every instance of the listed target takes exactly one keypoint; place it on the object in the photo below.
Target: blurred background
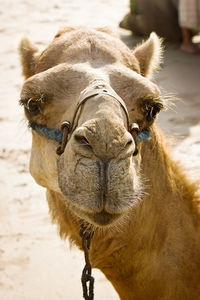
(34, 262)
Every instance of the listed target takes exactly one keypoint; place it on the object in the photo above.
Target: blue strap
(56, 134)
(144, 135)
(49, 133)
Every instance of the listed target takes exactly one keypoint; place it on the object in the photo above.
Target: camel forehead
(61, 80)
(125, 81)
(64, 79)
(86, 45)
(77, 57)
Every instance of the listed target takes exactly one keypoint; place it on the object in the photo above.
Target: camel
(154, 15)
(114, 171)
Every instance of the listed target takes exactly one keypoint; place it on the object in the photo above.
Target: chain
(86, 234)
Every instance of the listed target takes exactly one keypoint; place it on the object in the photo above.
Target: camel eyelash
(152, 111)
(33, 105)
(151, 108)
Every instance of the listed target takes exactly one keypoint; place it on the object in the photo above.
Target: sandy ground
(34, 262)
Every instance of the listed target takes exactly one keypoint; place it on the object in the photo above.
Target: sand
(34, 263)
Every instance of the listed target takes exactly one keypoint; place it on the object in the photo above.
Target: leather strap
(103, 91)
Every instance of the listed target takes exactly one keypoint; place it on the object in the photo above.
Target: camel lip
(99, 219)
(102, 218)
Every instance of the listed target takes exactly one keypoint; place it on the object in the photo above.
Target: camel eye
(33, 105)
(152, 111)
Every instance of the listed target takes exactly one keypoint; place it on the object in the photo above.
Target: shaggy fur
(150, 250)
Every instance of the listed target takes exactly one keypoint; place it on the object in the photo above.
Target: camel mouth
(103, 218)
(99, 219)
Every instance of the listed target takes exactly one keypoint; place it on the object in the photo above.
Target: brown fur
(152, 251)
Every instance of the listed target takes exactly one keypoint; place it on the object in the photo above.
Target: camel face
(97, 174)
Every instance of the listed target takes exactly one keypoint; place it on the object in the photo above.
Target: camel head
(91, 79)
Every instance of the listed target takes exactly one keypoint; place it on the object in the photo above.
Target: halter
(61, 135)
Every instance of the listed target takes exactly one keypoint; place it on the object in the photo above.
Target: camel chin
(100, 219)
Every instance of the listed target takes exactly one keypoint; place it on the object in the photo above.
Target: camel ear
(149, 55)
(27, 53)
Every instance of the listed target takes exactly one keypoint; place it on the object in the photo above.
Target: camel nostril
(82, 141)
(131, 147)
(129, 143)
(135, 152)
